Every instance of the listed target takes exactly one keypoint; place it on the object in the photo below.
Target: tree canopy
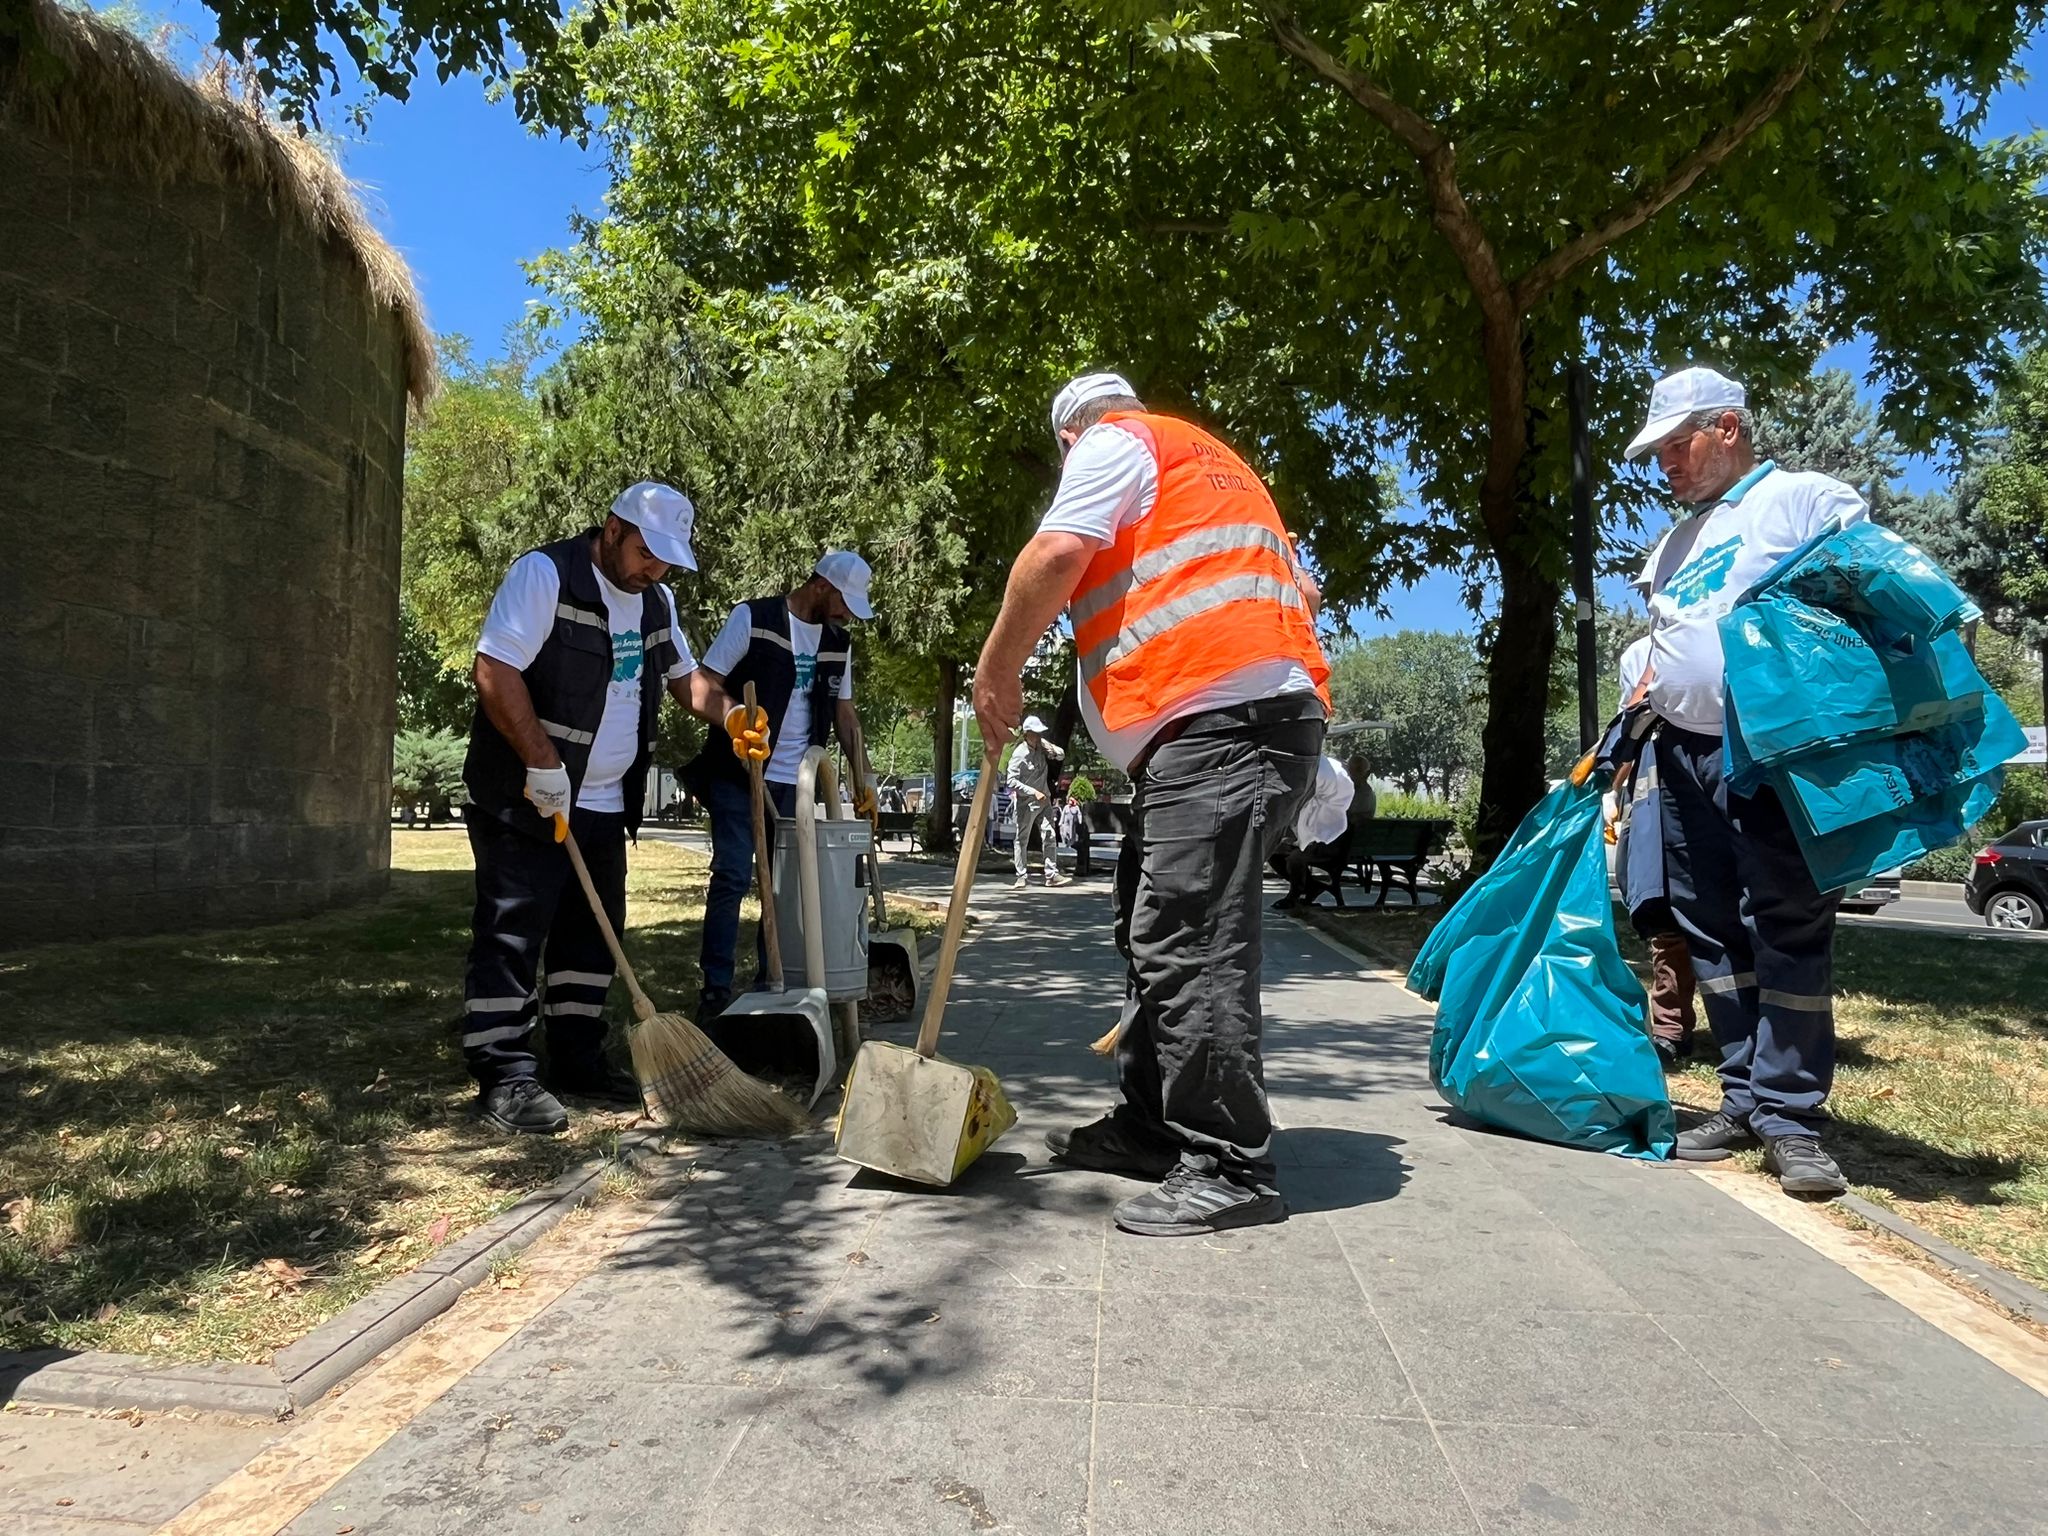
(1342, 236)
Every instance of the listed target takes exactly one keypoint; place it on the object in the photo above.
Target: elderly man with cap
(794, 648)
(576, 652)
(1761, 933)
(1031, 793)
(1199, 674)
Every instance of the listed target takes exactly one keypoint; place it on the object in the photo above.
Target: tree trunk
(941, 839)
(1517, 695)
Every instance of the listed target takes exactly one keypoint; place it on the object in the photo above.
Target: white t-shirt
(522, 617)
(1706, 562)
(792, 736)
(1110, 481)
(1634, 662)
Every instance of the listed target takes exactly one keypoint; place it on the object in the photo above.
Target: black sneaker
(596, 1079)
(1187, 1204)
(1803, 1167)
(1714, 1139)
(1669, 1057)
(523, 1108)
(711, 1002)
(1106, 1147)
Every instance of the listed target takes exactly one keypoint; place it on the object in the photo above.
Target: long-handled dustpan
(912, 1113)
(893, 978)
(780, 1032)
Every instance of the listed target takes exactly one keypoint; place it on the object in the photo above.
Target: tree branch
(1434, 153)
(1184, 227)
(1531, 288)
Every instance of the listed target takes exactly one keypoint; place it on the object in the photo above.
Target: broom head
(688, 1084)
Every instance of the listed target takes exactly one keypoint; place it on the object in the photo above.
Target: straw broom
(686, 1081)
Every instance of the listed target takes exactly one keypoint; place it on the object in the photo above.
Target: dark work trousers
(1762, 938)
(1211, 804)
(531, 913)
(732, 873)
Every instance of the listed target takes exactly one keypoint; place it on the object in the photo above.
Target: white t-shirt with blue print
(1706, 562)
(522, 617)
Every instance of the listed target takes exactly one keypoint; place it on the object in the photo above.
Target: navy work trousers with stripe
(530, 913)
(1762, 938)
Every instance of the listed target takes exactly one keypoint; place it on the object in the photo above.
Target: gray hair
(1708, 420)
(1089, 412)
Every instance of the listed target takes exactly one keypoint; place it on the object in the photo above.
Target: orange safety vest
(1199, 587)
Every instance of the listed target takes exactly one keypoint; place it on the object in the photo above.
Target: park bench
(1399, 846)
(904, 824)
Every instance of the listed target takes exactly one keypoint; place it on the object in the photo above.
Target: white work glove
(548, 789)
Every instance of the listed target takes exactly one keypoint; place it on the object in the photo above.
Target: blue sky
(466, 194)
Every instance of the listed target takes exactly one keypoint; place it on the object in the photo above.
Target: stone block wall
(202, 420)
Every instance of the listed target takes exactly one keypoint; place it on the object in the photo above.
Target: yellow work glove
(749, 735)
(865, 804)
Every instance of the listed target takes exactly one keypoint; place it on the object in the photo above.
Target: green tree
(1990, 531)
(1340, 233)
(466, 468)
(1822, 425)
(432, 696)
(1428, 686)
(426, 773)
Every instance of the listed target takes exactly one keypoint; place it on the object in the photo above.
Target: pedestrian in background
(1031, 763)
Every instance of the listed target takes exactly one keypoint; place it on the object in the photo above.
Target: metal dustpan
(895, 976)
(780, 1032)
(911, 1113)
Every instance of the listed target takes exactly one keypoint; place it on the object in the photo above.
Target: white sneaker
(1020, 882)
(1055, 879)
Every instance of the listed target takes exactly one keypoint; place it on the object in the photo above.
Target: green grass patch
(217, 1141)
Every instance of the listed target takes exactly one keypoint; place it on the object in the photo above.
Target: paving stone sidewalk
(1456, 1331)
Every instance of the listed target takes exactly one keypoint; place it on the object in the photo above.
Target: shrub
(1082, 789)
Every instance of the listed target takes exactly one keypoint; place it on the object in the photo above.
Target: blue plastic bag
(1801, 678)
(1541, 1028)
(1827, 791)
(1867, 569)
(1848, 858)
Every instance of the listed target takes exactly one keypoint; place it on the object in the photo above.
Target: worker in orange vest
(1200, 675)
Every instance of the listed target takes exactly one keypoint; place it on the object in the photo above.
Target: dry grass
(1941, 1088)
(216, 1142)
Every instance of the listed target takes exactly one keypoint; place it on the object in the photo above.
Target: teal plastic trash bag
(1801, 678)
(1867, 569)
(1848, 858)
(1827, 791)
(1541, 1028)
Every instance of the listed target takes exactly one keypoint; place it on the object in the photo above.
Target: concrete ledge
(2008, 1290)
(303, 1372)
(1939, 890)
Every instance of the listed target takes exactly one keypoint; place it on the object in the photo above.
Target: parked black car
(2008, 887)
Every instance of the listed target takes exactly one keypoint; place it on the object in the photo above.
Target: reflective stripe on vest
(1149, 625)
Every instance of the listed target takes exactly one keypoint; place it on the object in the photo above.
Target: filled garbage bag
(1541, 1028)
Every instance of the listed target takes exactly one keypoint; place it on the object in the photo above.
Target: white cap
(1089, 386)
(664, 517)
(850, 574)
(1032, 724)
(1678, 395)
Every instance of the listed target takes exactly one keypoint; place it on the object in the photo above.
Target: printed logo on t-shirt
(627, 652)
(806, 669)
(1705, 574)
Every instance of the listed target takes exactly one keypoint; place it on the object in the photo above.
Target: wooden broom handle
(956, 914)
(864, 776)
(770, 941)
(643, 1010)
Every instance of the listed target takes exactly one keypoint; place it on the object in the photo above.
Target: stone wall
(202, 420)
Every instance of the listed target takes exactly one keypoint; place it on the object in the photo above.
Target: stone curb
(2007, 1289)
(303, 1372)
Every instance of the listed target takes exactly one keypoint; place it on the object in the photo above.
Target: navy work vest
(770, 665)
(567, 681)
